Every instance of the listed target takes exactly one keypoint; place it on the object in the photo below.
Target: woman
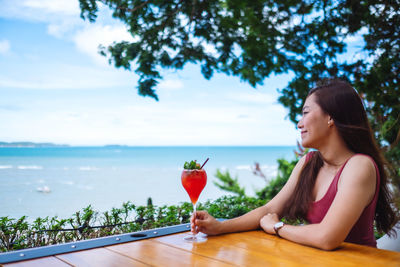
(340, 188)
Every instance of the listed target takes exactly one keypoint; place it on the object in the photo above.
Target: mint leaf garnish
(192, 165)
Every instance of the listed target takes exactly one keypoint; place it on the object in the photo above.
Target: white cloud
(142, 121)
(60, 77)
(254, 97)
(143, 125)
(39, 10)
(63, 21)
(62, 28)
(171, 84)
(62, 16)
(215, 112)
(91, 36)
(4, 46)
(66, 7)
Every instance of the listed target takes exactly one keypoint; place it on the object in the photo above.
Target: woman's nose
(300, 124)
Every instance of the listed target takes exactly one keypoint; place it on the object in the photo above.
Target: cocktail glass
(194, 181)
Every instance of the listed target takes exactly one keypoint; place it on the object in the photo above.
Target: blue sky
(55, 87)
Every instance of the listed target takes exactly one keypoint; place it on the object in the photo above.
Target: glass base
(199, 238)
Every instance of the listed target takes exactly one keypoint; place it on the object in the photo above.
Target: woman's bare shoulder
(360, 168)
(361, 161)
(297, 169)
(300, 164)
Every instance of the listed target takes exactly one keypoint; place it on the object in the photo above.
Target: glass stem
(194, 213)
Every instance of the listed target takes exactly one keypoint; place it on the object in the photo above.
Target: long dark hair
(342, 103)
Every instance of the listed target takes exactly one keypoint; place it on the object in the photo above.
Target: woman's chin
(305, 144)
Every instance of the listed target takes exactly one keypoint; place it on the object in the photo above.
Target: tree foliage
(254, 39)
(273, 185)
(228, 183)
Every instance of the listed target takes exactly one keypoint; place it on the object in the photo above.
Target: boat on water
(44, 189)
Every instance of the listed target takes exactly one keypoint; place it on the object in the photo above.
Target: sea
(58, 181)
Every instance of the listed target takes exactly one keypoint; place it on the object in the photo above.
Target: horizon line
(27, 144)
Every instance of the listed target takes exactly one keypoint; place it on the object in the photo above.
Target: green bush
(228, 207)
(86, 224)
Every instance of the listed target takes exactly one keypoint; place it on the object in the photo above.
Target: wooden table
(253, 248)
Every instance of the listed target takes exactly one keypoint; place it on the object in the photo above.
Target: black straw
(204, 163)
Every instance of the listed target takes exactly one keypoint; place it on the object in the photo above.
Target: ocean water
(105, 177)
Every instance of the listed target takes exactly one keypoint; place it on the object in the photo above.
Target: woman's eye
(305, 112)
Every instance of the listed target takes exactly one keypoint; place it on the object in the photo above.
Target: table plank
(99, 257)
(256, 247)
(158, 254)
(347, 253)
(216, 248)
(276, 247)
(45, 261)
(377, 257)
(253, 248)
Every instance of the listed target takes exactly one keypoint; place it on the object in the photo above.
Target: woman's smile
(313, 124)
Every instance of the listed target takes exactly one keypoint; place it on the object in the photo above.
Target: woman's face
(314, 124)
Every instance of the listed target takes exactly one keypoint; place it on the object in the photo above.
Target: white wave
(88, 168)
(269, 170)
(5, 167)
(86, 187)
(30, 167)
(67, 182)
(269, 167)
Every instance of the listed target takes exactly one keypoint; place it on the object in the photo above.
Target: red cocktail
(194, 180)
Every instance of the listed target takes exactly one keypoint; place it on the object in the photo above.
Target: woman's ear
(330, 122)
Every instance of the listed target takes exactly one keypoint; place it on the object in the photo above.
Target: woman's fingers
(194, 219)
(199, 221)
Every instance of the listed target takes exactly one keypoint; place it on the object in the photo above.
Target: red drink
(194, 181)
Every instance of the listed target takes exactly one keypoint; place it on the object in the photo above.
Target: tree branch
(129, 9)
(396, 142)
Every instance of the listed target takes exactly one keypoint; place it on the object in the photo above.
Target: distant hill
(29, 144)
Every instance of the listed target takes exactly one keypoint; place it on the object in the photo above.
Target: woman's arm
(356, 190)
(203, 222)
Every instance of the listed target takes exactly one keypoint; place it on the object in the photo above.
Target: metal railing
(38, 252)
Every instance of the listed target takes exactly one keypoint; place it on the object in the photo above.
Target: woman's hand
(205, 223)
(268, 221)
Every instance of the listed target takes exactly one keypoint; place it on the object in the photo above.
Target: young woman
(340, 189)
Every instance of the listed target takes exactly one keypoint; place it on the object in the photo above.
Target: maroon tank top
(363, 230)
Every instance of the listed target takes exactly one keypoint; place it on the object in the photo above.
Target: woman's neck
(336, 157)
(335, 153)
